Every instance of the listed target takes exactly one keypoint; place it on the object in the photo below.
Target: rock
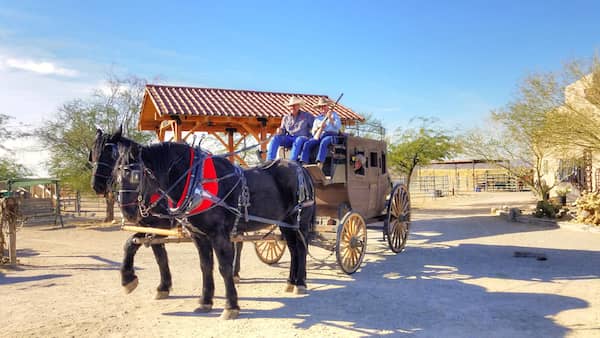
(513, 213)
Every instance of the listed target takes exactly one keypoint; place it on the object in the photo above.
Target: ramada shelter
(222, 113)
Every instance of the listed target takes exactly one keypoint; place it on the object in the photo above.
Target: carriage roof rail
(366, 129)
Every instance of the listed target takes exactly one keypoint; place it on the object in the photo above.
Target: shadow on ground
(429, 288)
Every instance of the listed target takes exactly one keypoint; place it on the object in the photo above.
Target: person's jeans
(325, 141)
(296, 142)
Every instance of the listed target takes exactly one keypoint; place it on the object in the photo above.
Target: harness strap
(272, 221)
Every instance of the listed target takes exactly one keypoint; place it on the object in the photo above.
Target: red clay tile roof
(232, 103)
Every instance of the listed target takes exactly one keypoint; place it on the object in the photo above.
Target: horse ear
(119, 131)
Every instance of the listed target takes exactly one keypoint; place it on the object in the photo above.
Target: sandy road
(457, 278)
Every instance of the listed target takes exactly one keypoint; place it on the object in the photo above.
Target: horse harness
(200, 193)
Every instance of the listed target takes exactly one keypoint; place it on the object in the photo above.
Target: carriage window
(358, 162)
(383, 164)
(374, 162)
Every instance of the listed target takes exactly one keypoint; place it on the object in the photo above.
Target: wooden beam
(240, 160)
(193, 130)
(230, 145)
(239, 141)
(219, 139)
(177, 131)
(250, 130)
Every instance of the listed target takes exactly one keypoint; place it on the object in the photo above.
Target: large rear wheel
(397, 222)
(351, 242)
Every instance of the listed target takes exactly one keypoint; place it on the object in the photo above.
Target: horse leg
(236, 265)
(290, 239)
(297, 278)
(301, 235)
(301, 252)
(205, 252)
(160, 254)
(224, 252)
(129, 280)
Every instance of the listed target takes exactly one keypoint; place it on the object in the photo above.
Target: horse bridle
(114, 153)
(135, 179)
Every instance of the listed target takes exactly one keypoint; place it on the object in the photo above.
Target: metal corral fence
(455, 177)
(76, 204)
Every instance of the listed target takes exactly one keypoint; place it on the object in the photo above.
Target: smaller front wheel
(269, 252)
(351, 242)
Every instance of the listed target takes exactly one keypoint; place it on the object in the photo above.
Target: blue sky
(454, 60)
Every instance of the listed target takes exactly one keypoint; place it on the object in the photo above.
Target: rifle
(319, 131)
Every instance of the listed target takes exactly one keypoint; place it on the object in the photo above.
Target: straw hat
(322, 102)
(295, 101)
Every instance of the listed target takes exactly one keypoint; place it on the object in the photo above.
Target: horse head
(103, 157)
(138, 193)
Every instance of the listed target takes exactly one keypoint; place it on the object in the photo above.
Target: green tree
(8, 167)
(575, 121)
(371, 127)
(419, 145)
(518, 137)
(69, 136)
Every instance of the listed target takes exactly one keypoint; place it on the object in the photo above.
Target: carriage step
(317, 174)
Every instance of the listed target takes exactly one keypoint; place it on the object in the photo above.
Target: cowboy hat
(295, 101)
(322, 102)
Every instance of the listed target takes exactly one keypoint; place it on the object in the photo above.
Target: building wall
(575, 98)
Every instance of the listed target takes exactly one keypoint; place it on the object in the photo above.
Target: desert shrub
(545, 208)
(588, 208)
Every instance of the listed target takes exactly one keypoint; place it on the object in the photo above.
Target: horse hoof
(203, 308)
(236, 279)
(130, 286)
(300, 290)
(230, 314)
(289, 288)
(161, 295)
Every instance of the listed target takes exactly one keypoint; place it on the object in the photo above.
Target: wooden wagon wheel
(351, 242)
(269, 252)
(397, 222)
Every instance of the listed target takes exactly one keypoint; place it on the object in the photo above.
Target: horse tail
(310, 196)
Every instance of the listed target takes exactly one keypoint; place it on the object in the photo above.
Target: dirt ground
(458, 277)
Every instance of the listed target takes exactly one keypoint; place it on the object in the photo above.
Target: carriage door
(373, 179)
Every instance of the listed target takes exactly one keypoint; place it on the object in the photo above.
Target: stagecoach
(350, 199)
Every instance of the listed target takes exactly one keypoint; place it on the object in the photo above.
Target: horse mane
(162, 154)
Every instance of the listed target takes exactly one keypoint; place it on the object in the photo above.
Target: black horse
(104, 156)
(216, 200)
(223, 200)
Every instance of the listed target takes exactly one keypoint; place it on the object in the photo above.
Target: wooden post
(230, 145)
(78, 203)
(12, 239)
(263, 137)
(57, 214)
(10, 210)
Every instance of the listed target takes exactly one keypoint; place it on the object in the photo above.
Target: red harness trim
(155, 197)
(212, 187)
(209, 173)
(187, 183)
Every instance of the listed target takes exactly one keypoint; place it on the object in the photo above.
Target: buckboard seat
(333, 169)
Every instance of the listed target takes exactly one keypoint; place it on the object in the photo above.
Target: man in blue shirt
(293, 131)
(325, 127)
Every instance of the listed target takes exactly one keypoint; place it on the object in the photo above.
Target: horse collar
(201, 186)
